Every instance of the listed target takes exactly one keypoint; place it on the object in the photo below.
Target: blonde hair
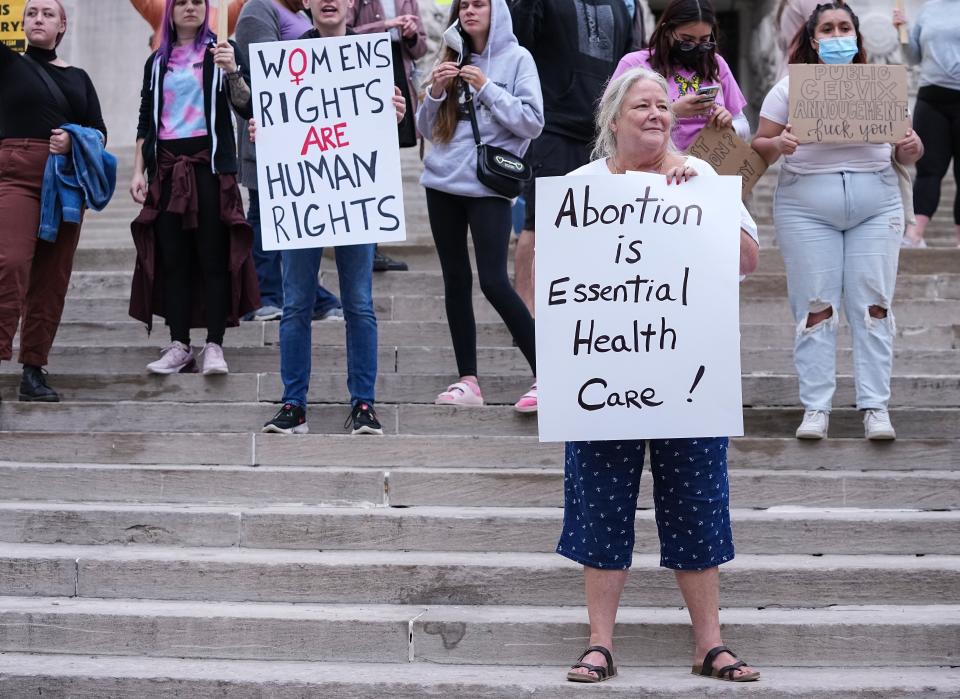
(609, 109)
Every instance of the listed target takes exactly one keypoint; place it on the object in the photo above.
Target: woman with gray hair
(602, 479)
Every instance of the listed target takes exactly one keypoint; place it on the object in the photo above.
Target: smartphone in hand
(708, 93)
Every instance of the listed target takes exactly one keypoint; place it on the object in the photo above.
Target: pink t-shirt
(680, 82)
(182, 115)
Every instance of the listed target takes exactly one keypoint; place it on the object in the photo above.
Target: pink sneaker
(528, 401)
(213, 361)
(464, 393)
(175, 359)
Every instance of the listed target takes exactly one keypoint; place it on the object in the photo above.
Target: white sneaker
(213, 361)
(877, 425)
(814, 425)
(175, 359)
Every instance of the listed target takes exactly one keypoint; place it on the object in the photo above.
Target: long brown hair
(448, 113)
(678, 13)
(803, 51)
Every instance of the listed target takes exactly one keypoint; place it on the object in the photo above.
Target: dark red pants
(34, 274)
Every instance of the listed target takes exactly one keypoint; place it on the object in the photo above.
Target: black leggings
(937, 121)
(181, 251)
(490, 222)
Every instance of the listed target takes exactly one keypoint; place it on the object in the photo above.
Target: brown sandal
(603, 673)
(724, 673)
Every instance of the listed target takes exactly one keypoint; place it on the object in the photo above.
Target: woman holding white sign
(501, 80)
(839, 219)
(194, 264)
(602, 478)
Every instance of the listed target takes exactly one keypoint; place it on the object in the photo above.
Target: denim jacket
(85, 177)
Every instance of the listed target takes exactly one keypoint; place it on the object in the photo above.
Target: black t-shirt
(28, 110)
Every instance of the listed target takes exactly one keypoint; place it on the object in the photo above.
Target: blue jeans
(300, 269)
(269, 271)
(839, 234)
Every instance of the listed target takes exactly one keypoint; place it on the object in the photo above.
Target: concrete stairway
(154, 544)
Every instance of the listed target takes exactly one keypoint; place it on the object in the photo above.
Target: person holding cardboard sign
(683, 49)
(839, 219)
(934, 42)
(194, 265)
(602, 478)
(496, 79)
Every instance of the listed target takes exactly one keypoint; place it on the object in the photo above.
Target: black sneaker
(382, 263)
(34, 387)
(363, 420)
(290, 419)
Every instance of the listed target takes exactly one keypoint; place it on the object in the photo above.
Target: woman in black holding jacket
(34, 274)
(194, 264)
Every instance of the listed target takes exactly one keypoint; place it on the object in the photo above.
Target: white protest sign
(637, 299)
(328, 159)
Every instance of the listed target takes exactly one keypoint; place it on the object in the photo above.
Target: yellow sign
(11, 24)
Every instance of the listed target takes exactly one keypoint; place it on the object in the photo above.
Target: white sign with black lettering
(328, 158)
(637, 298)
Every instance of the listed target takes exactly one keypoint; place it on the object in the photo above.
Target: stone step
(391, 387)
(434, 484)
(772, 531)
(132, 359)
(489, 452)
(437, 485)
(423, 257)
(155, 678)
(116, 285)
(779, 335)
(375, 577)
(431, 308)
(467, 635)
(405, 418)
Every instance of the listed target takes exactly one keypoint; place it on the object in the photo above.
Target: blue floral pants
(691, 498)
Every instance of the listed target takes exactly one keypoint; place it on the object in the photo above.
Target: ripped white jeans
(839, 234)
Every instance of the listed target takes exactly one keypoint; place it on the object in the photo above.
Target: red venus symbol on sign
(297, 79)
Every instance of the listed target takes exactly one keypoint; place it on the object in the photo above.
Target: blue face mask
(839, 49)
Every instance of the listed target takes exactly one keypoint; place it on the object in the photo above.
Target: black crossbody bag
(499, 169)
(59, 98)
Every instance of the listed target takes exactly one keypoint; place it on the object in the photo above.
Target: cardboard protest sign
(857, 103)
(328, 159)
(729, 155)
(637, 301)
(11, 24)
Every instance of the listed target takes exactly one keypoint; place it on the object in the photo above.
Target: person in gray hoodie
(503, 81)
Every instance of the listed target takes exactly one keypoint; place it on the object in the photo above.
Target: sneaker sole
(267, 318)
(189, 368)
(216, 372)
(458, 405)
(526, 411)
(811, 435)
(274, 429)
(882, 436)
(24, 398)
(368, 430)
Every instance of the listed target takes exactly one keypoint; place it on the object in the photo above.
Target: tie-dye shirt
(182, 115)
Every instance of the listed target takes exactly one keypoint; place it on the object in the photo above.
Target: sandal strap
(728, 670)
(607, 655)
(707, 669)
(599, 669)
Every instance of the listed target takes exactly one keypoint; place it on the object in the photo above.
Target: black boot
(33, 386)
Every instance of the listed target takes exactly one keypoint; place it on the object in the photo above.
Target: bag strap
(468, 98)
(58, 97)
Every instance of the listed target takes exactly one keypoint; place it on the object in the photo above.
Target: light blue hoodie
(509, 112)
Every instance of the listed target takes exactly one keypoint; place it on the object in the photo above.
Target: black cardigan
(224, 151)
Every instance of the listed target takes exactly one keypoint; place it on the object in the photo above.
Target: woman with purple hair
(194, 264)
